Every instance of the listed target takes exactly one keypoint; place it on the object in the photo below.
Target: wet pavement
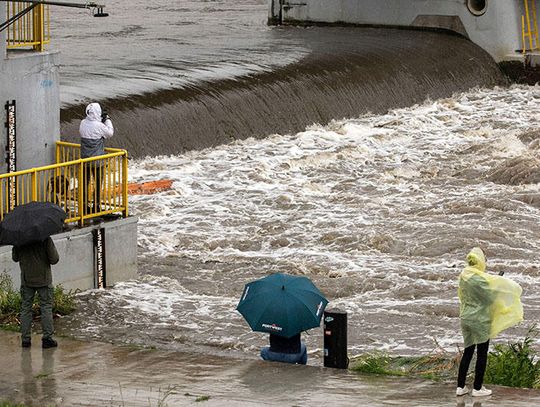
(99, 374)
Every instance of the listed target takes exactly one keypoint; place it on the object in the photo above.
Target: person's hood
(93, 112)
(477, 259)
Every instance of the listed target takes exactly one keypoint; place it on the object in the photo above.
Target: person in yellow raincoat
(489, 304)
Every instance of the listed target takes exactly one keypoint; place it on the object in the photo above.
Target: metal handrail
(29, 25)
(529, 27)
(67, 182)
(28, 22)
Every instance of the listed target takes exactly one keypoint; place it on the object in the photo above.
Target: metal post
(535, 23)
(80, 189)
(38, 28)
(528, 23)
(523, 34)
(34, 185)
(335, 339)
(125, 183)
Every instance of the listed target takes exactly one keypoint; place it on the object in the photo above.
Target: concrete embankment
(99, 374)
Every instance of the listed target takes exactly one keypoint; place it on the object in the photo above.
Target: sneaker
(26, 343)
(482, 392)
(48, 343)
(461, 391)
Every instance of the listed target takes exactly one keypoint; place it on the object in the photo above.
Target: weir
(349, 71)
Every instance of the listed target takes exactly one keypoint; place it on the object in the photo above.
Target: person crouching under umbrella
(287, 350)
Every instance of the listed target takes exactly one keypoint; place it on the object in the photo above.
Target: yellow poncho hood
(489, 304)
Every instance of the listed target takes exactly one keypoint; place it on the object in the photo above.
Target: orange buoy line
(150, 187)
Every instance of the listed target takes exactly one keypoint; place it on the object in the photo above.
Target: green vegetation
(434, 367)
(10, 300)
(202, 398)
(9, 404)
(10, 304)
(198, 398)
(514, 364)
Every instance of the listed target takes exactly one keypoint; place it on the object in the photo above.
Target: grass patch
(10, 304)
(515, 364)
(512, 364)
(198, 399)
(9, 404)
(202, 398)
(433, 367)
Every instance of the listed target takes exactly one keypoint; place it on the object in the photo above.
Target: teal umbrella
(282, 304)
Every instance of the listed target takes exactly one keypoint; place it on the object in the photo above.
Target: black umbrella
(31, 222)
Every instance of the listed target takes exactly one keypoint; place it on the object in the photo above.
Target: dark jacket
(92, 148)
(285, 345)
(35, 262)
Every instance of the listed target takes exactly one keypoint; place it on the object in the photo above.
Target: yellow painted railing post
(528, 17)
(125, 183)
(523, 34)
(39, 34)
(80, 190)
(535, 24)
(532, 26)
(34, 185)
(57, 153)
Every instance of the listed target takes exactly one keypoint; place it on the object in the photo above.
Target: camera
(104, 116)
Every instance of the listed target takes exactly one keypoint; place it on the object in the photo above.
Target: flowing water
(379, 210)
(198, 74)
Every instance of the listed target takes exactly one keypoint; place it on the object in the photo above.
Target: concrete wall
(32, 80)
(498, 30)
(75, 270)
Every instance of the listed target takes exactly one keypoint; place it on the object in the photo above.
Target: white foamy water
(378, 211)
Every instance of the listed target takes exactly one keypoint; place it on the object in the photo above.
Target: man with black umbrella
(35, 261)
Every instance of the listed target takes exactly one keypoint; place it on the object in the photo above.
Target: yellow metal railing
(30, 30)
(529, 27)
(84, 188)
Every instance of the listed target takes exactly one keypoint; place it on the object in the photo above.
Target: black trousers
(93, 170)
(481, 362)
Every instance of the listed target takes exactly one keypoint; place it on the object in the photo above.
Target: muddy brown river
(379, 211)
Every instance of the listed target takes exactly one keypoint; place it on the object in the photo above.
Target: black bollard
(335, 339)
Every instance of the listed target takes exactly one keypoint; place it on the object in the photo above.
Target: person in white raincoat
(94, 129)
(489, 304)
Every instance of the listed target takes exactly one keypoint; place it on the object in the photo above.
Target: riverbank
(99, 374)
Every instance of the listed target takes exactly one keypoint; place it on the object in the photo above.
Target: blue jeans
(300, 358)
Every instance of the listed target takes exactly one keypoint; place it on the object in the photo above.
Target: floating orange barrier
(151, 187)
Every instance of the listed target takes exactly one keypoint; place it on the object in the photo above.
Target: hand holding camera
(104, 117)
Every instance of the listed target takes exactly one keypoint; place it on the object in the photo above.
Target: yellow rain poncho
(489, 304)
